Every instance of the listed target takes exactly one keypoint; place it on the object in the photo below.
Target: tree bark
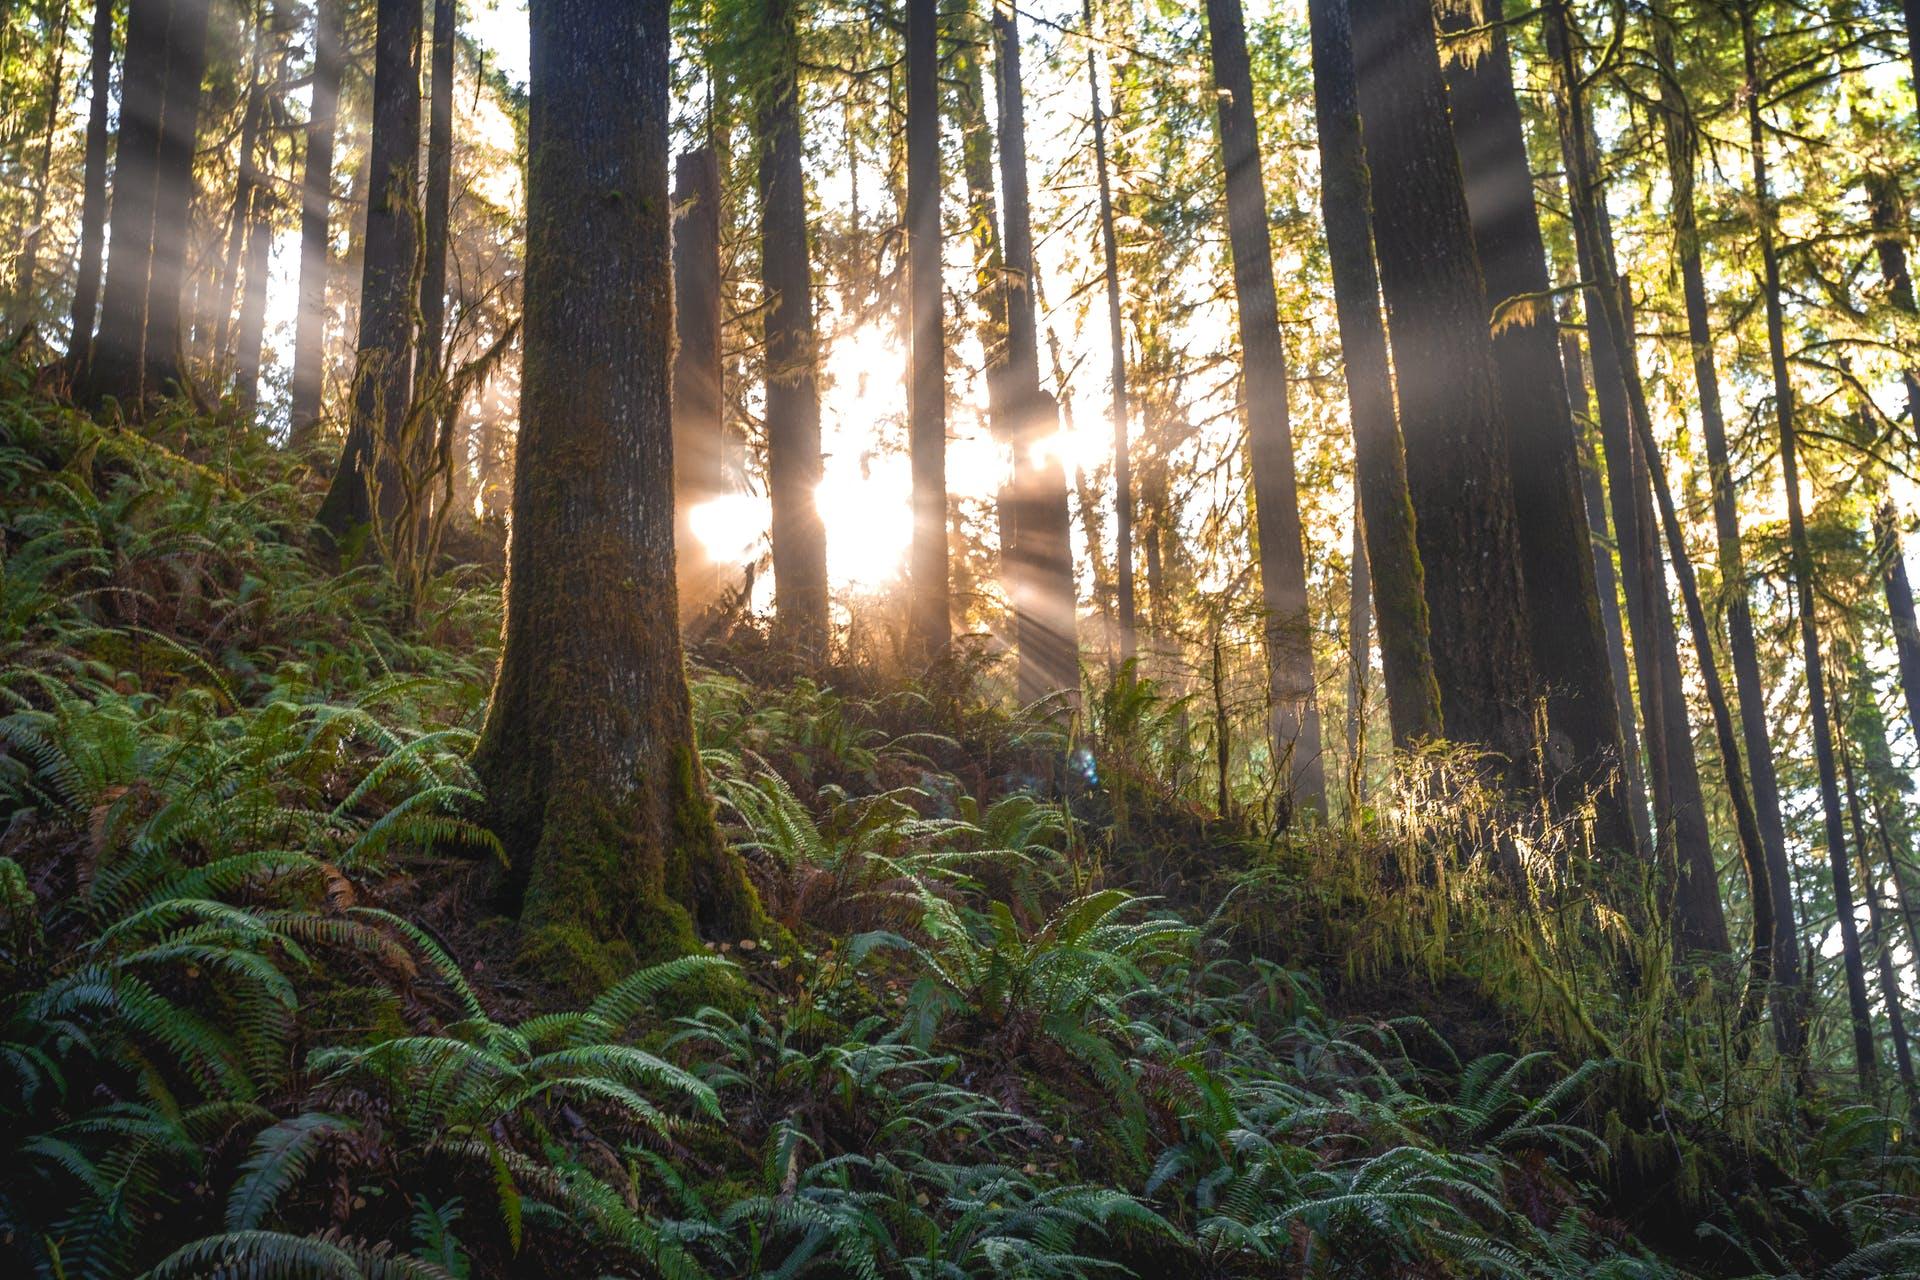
(253, 306)
(1802, 568)
(1877, 940)
(588, 755)
(439, 189)
(799, 539)
(166, 41)
(1294, 717)
(1359, 664)
(1584, 749)
(931, 626)
(699, 428)
(316, 197)
(214, 344)
(1456, 451)
(1379, 459)
(1117, 342)
(383, 361)
(1042, 571)
(1678, 129)
(1683, 845)
(93, 202)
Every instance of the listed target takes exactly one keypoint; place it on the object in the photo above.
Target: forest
(920, 639)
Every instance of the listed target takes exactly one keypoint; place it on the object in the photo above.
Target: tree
(698, 406)
(1802, 564)
(93, 207)
(1040, 528)
(931, 626)
(439, 204)
(1379, 459)
(1568, 643)
(1678, 126)
(20, 305)
(792, 356)
(135, 355)
(593, 781)
(1117, 341)
(1456, 452)
(1294, 725)
(316, 198)
(383, 356)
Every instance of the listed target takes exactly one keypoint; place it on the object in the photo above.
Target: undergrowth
(1031, 1013)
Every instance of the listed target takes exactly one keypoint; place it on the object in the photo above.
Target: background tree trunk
(316, 198)
(383, 362)
(799, 538)
(173, 194)
(698, 404)
(1117, 340)
(588, 754)
(931, 625)
(93, 205)
(26, 280)
(1456, 453)
(253, 306)
(1294, 726)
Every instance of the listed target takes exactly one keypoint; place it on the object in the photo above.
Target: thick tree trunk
(166, 45)
(1042, 569)
(1379, 460)
(699, 427)
(93, 201)
(1117, 341)
(1456, 451)
(792, 356)
(310, 323)
(383, 361)
(1677, 125)
(25, 300)
(1294, 725)
(588, 755)
(1802, 562)
(1683, 845)
(931, 626)
(1607, 587)
(1584, 743)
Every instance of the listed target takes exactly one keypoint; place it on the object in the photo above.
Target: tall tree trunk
(1379, 460)
(316, 197)
(93, 203)
(1607, 587)
(1456, 451)
(1584, 743)
(799, 539)
(592, 777)
(23, 301)
(1900, 610)
(1888, 214)
(1117, 341)
(1683, 845)
(253, 305)
(439, 190)
(1878, 941)
(165, 39)
(1911, 9)
(1359, 664)
(699, 425)
(213, 341)
(1802, 562)
(931, 625)
(1678, 128)
(1042, 574)
(1294, 724)
(173, 193)
(383, 362)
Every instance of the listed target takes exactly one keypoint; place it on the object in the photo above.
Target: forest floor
(1032, 1009)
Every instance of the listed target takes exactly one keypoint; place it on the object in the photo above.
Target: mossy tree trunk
(1380, 467)
(316, 199)
(698, 405)
(1294, 719)
(383, 362)
(799, 539)
(1584, 746)
(1456, 452)
(588, 754)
